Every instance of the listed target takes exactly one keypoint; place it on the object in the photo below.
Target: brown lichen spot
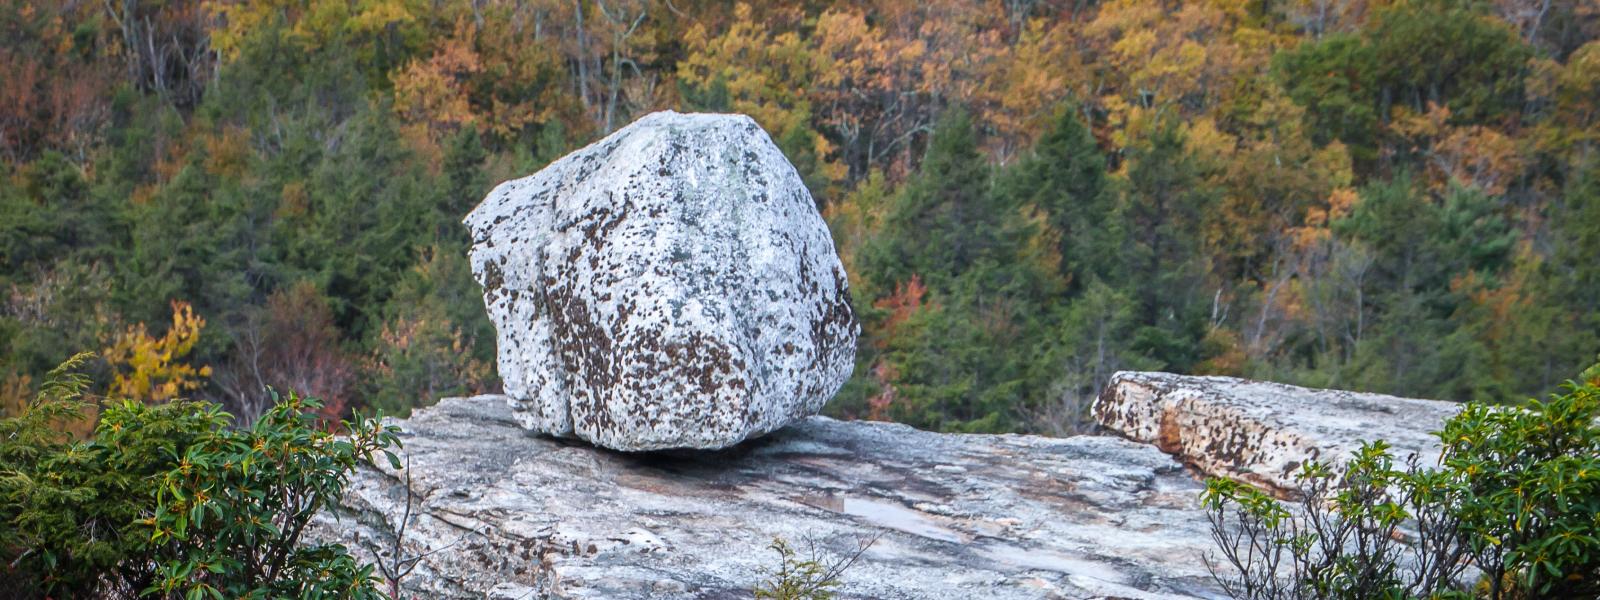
(1169, 438)
(493, 280)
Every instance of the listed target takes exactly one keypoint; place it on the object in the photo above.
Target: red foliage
(904, 302)
(290, 344)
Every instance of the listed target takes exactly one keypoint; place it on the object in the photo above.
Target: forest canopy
(1399, 196)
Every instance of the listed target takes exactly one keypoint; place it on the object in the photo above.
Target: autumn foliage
(156, 369)
(1398, 196)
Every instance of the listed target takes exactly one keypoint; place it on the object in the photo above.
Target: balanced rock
(670, 286)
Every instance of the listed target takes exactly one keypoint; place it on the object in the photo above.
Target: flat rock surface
(669, 286)
(501, 512)
(1262, 432)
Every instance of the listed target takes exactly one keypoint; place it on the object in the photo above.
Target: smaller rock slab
(1261, 432)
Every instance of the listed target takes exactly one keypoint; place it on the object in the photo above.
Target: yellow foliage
(1043, 248)
(764, 73)
(1211, 146)
(855, 219)
(1025, 89)
(1170, 56)
(152, 369)
(237, 20)
(374, 16)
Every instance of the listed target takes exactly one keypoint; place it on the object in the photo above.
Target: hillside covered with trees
(1399, 196)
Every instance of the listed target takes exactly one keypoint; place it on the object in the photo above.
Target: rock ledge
(1261, 432)
(960, 516)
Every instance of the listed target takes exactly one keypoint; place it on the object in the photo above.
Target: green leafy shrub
(1530, 493)
(230, 515)
(1516, 494)
(68, 508)
(167, 501)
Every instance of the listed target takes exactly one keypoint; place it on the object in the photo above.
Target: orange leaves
(905, 302)
(1477, 157)
(228, 152)
(879, 405)
(902, 304)
(1024, 91)
(433, 91)
(54, 83)
(1315, 231)
(15, 392)
(1474, 157)
(152, 369)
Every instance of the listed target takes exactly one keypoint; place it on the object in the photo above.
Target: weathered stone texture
(960, 516)
(670, 286)
(1262, 432)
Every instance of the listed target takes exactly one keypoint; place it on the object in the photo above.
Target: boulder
(1261, 432)
(498, 513)
(670, 286)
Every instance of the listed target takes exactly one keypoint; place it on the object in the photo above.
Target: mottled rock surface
(508, 514)
(1262, 432)
(670, 286)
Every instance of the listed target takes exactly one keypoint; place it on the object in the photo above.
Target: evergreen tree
(1065, 176)
(943, 221)
(1164, 205)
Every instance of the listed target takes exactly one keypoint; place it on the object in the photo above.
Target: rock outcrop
(1262, 432)
(670, 286)
(498, 512)
(501, 513)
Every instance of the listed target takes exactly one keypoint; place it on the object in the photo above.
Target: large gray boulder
(670, 286)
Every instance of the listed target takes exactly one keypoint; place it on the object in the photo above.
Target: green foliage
(1530, 502)
(1342, 543)
(1412, 54)
(961, 359)
(230, 514)
(943, 221)
(810, 577)
(1447, 52)
(1164, 207)
(1065, 177)
(167, 500)
(1517, 492)
(1333, 79)
(1094, 338)
(65, 517)
(1423, 249)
